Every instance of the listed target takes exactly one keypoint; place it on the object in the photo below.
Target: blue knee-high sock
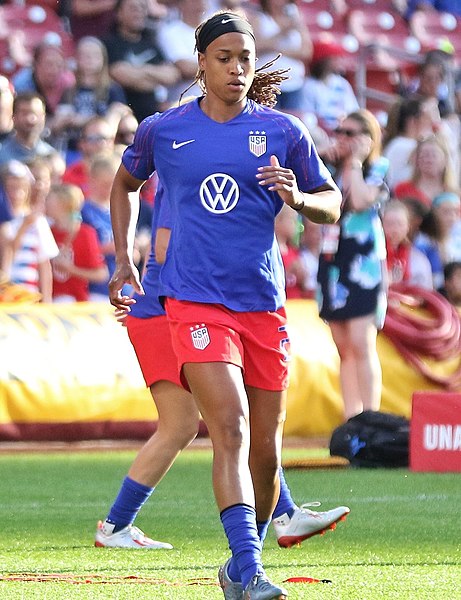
(239, 522)
(131, 497)
(232, 567)
(285, 502)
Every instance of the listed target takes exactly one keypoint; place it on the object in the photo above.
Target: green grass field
(401, 540)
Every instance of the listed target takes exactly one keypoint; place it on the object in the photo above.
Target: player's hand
(280, 180)
(125, 273)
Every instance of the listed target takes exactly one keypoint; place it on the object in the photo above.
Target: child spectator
(30, 242)
(80, 260)
(405, 263)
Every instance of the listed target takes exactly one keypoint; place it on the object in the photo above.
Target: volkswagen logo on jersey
(219, 193)
(257, 142)
(200, 336)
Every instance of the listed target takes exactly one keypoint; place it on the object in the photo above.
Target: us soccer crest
(200, 336)
(257, 142)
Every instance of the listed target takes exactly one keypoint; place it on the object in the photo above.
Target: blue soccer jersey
(223, 248)
(148, 305)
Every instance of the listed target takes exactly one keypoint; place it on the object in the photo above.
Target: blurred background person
(6, 107)
(25, 140)
(432, 172)
(96, 212)
(80, 260)
(279, 27)
(48, 75)
(352, 296)
(97, 135)
(93, 94)
(31, 245)
(287, 230)
(136, 61)
(408, 120)
(327, 94)
(439, 237)
(452, 283)
(309, 247)
(405, 263)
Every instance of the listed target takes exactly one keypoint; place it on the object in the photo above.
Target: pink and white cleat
(128, 537)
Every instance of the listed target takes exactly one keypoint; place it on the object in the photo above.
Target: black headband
(219, 25)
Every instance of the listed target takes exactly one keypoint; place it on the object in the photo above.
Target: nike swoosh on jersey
(177, 145)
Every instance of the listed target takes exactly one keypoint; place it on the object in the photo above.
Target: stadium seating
(436, 30)
(35, 24)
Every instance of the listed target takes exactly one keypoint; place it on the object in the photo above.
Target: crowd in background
(65, 121)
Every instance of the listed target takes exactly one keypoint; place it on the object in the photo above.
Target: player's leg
(177, 426)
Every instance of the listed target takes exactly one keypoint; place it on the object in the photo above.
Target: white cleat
(305, 523)
(128, 537)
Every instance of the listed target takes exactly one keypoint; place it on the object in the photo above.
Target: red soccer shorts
(255, 341)
(151, 340)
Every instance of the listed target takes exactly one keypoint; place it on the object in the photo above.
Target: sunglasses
(96, 138)
(348, 132)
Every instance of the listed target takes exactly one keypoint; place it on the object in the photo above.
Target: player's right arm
(124, 209)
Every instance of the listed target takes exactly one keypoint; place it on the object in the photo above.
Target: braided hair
(266, 84)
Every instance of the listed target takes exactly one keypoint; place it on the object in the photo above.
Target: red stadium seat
(35, 24)
(326, 26)
(436, 30)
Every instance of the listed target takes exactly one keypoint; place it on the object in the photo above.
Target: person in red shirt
(97, 135)
(80, 259)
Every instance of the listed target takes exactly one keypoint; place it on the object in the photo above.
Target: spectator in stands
(310, 251)
(439, 237)
(432, 78)
(287, 225)
(97, 135)
(432, 172)
(352, 261)
(408, 121)
(126, 129)
(80, 260)
(279, 27)
(327, 94)
(96, 212)
(176, 38)
(48, 75)
(452, 285)
(6, 107)
(25, 141)
(405, 263)
(5, 217)
(94, 93)
(136, 61)
(31, 244)
(41, 172)
(91, 17)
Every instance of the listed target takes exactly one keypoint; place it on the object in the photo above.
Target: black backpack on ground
(372, 439)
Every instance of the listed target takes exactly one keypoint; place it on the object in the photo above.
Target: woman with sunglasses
(228, 162)
(351, 273)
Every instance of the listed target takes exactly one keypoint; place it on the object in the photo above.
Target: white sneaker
(128, 537)
(305, 523)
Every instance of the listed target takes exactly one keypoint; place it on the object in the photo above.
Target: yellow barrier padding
(67, 363)
(74, 363)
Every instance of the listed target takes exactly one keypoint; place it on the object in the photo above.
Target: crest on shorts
(200, 336)
(257, 142)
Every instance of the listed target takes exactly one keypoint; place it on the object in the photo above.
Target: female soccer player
(220, 157)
